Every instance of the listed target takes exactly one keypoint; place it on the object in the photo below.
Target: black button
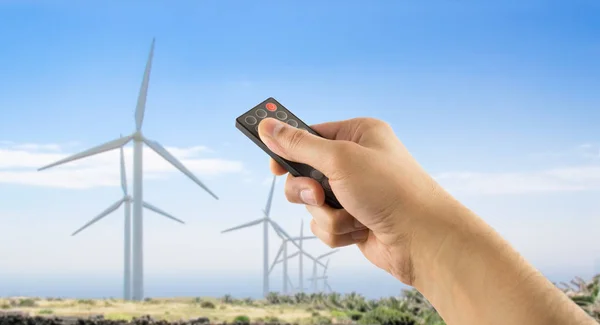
(261, 113)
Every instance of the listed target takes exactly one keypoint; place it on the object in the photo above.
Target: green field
(408, 308)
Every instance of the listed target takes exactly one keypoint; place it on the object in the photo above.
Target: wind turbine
(266, 221)
(324, 277)
(283, 249)
(138, 141)
(314, 277)
(127, 199)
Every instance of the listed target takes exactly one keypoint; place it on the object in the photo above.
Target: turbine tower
(283, 249)
(138, 141)
(127, 234)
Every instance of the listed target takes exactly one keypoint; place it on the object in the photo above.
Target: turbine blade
(328, 287)
(123, 175)
(249, 224)
(270, 199)
(290, 282)
(304, 238)
(279, 229)
(161, 212)
(276, 258)
(114, 144)
(327, 254)
(326, 266)
(313, 258)
(293, 255)
(102, 214)
(161, 151)
(141, 102)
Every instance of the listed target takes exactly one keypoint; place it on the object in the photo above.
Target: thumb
(295, 144)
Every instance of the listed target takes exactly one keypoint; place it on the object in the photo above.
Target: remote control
(248, 124)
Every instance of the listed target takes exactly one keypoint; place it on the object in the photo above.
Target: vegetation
(410, 308)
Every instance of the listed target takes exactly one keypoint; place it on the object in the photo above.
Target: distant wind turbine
(314, 276)
(266, 221)
(138, 141)
(127, 199)
(324, 277)
(283, 249)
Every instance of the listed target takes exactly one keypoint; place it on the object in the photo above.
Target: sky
(498, 100)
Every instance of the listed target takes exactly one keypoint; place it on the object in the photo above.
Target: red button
(272, 107)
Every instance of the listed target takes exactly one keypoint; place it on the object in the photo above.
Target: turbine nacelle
(137, 136)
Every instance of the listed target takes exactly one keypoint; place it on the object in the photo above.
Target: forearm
(472, 276)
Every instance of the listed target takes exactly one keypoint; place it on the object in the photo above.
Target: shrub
(27, 303)
(241, 319)
(86, 302)
(207, 304)
(320, 320)
(271, 319)
(5, 306)
(387, 316)
(46, 311)
(355, 316)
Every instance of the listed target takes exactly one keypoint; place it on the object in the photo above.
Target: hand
(385, 193)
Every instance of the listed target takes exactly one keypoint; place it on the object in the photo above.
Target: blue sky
(498, 100)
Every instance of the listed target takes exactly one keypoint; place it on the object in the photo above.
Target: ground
(168, 308)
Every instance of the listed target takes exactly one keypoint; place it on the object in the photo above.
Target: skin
(405, 223)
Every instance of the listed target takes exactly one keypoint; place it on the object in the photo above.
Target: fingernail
(308, 197)
(273, 127)
(358, 225)
(359, 235)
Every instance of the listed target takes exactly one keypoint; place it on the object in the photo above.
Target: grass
(170, 309)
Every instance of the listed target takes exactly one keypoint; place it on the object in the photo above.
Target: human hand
(385, 193)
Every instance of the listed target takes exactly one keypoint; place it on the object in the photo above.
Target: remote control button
(292, 123)
(325, 184)
(317, 175)
(250, 120)
(261, 113)
(271, 107)
(281, 115)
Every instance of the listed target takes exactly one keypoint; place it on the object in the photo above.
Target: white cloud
(578, 177)
(557, 179)
(19, 163)
(586, 151)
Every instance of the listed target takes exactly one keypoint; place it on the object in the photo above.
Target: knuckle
(375, 126)
(335, 221)
(331, 226)
(325, 236)
(329, 240)
(295, 139)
